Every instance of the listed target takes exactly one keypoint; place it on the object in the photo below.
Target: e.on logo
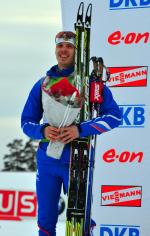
(17, 204)
(111, 156)
(131, 38)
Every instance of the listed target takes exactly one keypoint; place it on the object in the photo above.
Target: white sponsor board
(120, 34)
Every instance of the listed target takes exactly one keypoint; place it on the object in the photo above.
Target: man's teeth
(64, 56)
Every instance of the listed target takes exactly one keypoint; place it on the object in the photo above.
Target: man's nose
(64, 48)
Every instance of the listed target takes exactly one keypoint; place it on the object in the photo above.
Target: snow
(25, 228)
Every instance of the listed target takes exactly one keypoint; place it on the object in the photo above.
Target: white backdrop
(120, 34)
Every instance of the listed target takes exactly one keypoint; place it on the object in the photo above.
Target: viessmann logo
(116, 195)
(118, 37)
(129, 76)
(128, 4)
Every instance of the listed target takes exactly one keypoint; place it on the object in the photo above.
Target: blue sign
(119, 230)
(133, 116)
(128, 4)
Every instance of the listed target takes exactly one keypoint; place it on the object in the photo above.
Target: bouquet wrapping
(61, 105)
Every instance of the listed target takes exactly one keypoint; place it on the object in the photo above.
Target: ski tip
(88, 15)
(89, 9)
(80, 13)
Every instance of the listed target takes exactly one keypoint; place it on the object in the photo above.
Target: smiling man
(52, 173)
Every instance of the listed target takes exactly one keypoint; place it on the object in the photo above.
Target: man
(52, 173)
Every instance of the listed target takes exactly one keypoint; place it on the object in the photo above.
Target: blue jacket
(110, 117)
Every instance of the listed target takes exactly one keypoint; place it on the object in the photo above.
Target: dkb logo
(128, 4)
(119, 230)
(133, 116)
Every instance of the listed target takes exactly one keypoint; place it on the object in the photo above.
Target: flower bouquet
(61, 104)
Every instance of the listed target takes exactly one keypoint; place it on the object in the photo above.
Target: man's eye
(59, 46)
(69, 46)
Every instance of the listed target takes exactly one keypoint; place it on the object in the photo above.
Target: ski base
(74, 228)
(75, 225)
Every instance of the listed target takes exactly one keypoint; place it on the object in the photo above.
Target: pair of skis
(76, 211)
(83, 149)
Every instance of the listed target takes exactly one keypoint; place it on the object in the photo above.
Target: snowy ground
(25, 228)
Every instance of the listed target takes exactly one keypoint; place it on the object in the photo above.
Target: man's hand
(51, 133)
(68, 134)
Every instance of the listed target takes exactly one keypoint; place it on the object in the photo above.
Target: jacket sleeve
(32, 114)
(109, 118)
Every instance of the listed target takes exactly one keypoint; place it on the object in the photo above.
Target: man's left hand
(68, 134)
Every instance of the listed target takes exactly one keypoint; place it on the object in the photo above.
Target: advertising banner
(120, 34)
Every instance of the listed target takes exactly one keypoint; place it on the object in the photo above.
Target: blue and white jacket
(109, 118)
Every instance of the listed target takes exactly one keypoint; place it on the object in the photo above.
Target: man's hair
(65, 36)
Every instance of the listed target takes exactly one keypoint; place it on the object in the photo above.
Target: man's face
(65, 55)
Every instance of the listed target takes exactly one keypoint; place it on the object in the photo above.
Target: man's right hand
(51, 133)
